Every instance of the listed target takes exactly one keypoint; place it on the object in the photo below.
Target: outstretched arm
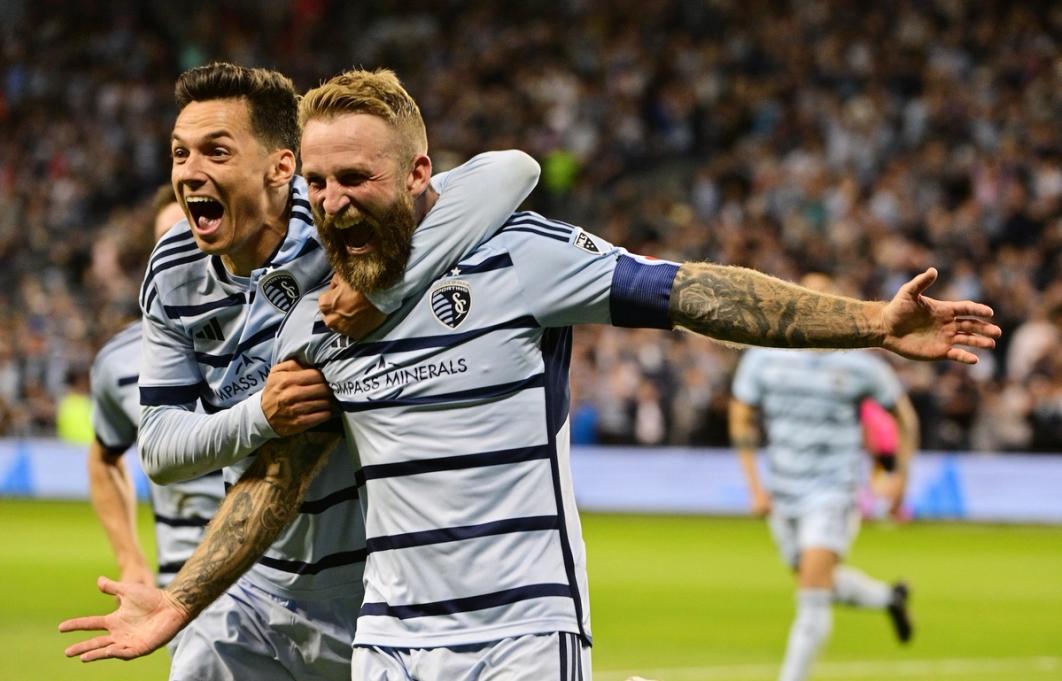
(740, 305)
(114, 500)
(254, 512)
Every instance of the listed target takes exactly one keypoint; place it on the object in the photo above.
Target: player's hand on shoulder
(347, 311)
(295, 398)
(146, 619)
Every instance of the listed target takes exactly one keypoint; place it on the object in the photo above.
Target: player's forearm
(745, 438)
(908, 433)
(255, 511)
(176, 444)
(740, 305)
(114, 501)
(475, 200)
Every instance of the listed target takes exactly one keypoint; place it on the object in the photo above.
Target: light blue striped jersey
(181, 510)
(809, 403)
(209, 336)
(458, 411)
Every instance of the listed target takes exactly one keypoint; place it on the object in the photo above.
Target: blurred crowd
(864, 140)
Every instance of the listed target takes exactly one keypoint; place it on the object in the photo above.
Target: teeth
(199, 199)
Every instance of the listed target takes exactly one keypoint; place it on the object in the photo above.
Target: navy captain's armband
(641, 292)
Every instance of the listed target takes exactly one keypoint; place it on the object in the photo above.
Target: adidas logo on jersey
(340, 342)
(211, 331)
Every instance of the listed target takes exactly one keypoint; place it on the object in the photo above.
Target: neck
(266, 237)
(424, 203)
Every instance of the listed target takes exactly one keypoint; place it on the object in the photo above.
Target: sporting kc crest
(281, 289)
(450, 302)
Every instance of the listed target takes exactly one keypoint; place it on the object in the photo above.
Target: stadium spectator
(857, 140)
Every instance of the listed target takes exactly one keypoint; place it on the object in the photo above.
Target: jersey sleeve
(174, 442)
(746, 386)
(295, 335)
(475, 200)
(112, 426)
(570, 276)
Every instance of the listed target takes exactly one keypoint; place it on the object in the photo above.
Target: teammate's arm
(175, 443)
(744, 306)
(257, 508)
(475, 200)
(907, 443)
(745, 437)
(114, 500)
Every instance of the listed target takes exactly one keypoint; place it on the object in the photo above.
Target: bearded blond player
(457, 409)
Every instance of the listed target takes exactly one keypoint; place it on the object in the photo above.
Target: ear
(281, 168)
(419, 175)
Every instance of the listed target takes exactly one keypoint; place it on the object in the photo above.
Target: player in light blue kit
(181, 510)
(217, 288)
(457, 406)
(809, 404)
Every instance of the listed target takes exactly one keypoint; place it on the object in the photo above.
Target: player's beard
(391, 234)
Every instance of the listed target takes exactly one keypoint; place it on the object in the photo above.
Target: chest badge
(281, 289)
(450, 302)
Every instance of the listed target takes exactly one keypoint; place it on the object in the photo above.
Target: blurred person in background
(809, 403)
(181, 510)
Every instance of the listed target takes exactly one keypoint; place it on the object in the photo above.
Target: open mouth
(206, 213)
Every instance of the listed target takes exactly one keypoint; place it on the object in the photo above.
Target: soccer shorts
(833, 527)
(559, 656)
(251, 634)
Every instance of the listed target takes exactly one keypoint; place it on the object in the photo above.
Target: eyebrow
(210, 136)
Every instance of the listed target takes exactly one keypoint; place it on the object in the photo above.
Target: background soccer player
(457, 407)
(181, 510)
(809, 403)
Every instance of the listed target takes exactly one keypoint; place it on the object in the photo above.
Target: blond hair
(377, 93)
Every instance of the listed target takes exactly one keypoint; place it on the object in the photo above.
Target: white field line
(919, 669)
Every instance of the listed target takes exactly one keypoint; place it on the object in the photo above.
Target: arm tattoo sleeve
(739, 305)
(257, 508)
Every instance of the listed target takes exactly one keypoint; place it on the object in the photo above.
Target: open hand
(919, 327)
(347, 311)
(146, 619)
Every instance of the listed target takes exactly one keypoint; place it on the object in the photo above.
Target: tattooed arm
(254, 512)
(739, 305)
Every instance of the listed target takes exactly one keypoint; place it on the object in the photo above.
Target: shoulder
(301, 325)
(118, 349)
(175, 261)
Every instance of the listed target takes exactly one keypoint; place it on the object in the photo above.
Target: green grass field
(676, 599)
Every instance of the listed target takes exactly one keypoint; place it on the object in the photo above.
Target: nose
(189, 173)
(334, 200)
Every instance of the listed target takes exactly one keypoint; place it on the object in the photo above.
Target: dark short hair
(271, 98)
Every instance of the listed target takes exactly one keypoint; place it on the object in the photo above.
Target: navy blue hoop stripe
(468, 604)
(448, 534)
